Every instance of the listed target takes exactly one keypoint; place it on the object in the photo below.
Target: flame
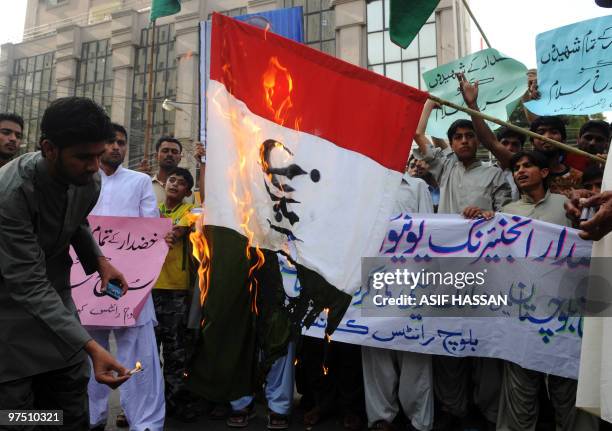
(278, 85)
(202, 253)
(325, 370)
(138, 365)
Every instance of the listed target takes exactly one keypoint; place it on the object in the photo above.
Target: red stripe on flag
(306, 90)
(576, 161)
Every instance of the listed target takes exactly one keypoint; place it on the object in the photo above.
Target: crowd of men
(46, 196)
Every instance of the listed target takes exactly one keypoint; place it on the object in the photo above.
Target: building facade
(101, 49)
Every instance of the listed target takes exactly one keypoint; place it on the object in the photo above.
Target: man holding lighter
(45, 198)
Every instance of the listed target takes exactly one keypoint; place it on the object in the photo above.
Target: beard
(111, 161)
(68, 177)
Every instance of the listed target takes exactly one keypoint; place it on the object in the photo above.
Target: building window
(319, 23)
(404, 65)
(164, 86)
(32, 87)
(95, 74)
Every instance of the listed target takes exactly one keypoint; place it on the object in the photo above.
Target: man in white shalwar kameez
(127, 193)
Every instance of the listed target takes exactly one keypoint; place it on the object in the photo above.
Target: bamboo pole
(149, 124)
(526, 132)
(469, 11)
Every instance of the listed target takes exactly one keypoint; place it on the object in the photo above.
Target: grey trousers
(459, 381)
(392, 378)
(64, 389)
(518, 405)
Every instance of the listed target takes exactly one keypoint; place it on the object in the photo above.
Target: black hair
(464, 124)
(592, 172)
(536, 158)
(118, 128)
(167, 138)
(554, 122)
(70, 121)
(8, 116)
(182, 172)
(505, 132)
(600, 125)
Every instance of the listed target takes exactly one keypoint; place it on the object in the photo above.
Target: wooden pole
(469, 11)
(526, 132)
(149, 124)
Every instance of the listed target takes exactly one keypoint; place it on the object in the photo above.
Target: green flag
(161, 8)
(407, 18)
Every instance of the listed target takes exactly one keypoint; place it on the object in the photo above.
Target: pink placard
(136, 247)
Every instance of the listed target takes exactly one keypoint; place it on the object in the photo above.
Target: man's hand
(106, 369)
(109, 272)
(532, 92)
(170, 239)
(473, 212)
(573, 207)
(601, 223)
(468, 91)
(200, 153)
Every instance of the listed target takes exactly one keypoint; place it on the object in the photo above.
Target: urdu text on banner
(575, 69)
(502, 81)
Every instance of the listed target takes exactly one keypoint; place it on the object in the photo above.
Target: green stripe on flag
(407, 18)
(161, 8)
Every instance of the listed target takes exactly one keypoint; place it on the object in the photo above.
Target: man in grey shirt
(464, 182)
(45, 198)
(519, 406)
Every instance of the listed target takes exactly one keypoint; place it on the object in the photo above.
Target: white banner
(531, 260)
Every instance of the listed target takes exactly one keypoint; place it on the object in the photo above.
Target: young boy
(171, 295)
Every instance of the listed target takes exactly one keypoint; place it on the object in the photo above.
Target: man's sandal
(276, 421)
(240, 418)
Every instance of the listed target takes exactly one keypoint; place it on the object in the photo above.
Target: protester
(11, 135)
(564, 178)
(592, 177)
(420, 169)
(45, 198)
(394, 378)
(172, 295)
(127, 193)
(594, 137)
(464, 181)
(518, 408)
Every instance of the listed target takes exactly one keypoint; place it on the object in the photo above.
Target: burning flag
(305, 154)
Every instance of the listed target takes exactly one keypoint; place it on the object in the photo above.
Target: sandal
(276, 421)
(240, 418)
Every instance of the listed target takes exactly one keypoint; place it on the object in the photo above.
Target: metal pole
(526, 132)
(469, 11)
(149, 124)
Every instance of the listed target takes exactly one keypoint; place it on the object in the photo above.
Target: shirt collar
(526, 199)
(155, 180)
(117, 171)
(475, 164)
